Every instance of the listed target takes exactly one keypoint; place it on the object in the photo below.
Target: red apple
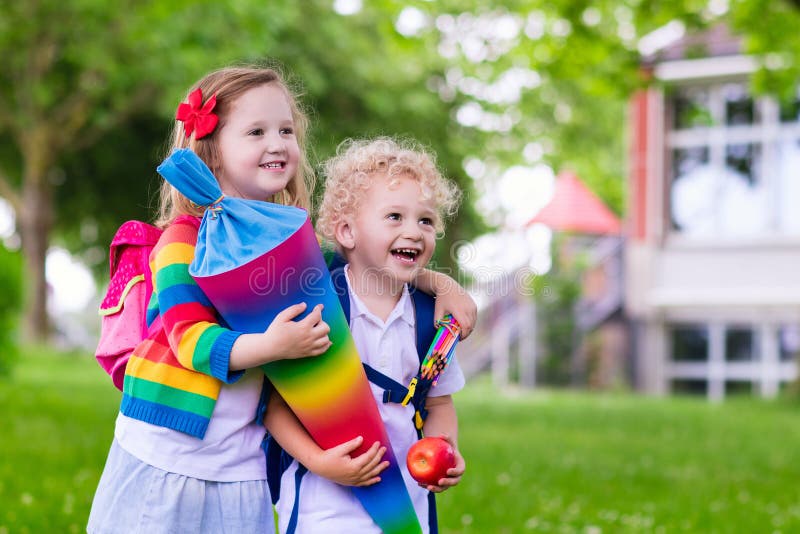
(429, 459)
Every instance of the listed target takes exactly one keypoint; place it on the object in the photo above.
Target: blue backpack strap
(433, 517)
(276, 464)
(336, 262)
(393, 391)
(261, 409)
(276, 456)
(298, 477)
(339, 280)
(424, 306)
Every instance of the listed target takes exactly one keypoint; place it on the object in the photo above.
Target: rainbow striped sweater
(174, 376)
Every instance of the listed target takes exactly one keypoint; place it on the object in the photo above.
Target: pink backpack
(124, 308)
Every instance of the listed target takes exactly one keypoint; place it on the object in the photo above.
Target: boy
(383, 207)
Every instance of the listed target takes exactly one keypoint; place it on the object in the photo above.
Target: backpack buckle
(412, 388)
(418, 421)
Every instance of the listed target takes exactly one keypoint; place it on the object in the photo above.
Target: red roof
(574, 208)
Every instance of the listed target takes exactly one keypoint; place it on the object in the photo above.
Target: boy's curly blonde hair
(349, 174)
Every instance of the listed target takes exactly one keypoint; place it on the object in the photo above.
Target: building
(713, 225)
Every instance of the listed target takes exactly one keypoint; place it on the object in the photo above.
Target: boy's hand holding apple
(435, 463)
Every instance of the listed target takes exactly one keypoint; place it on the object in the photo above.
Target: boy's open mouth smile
(406, 255)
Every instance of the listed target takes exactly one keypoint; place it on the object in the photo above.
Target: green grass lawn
(536, 461)
(57, 421)
(579, 462)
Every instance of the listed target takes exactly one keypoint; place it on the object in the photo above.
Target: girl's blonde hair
(350, 173)
(228, 84)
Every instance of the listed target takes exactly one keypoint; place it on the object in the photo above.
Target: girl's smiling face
(257, 144)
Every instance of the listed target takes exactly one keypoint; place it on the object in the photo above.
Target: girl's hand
(454, 299)
(283, 339)
(453, 474)
(336, 465)
(298, 339)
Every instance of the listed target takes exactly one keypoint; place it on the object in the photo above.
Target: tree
(79, 70)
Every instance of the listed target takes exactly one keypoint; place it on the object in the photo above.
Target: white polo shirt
(390, 348)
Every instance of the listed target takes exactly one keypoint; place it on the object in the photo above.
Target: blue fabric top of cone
(236, 231)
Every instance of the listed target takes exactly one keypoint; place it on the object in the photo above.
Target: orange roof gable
(574, 208)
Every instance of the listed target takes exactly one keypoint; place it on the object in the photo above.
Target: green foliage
(10, 305)
(770, 32)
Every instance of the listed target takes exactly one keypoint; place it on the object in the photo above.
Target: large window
(733, 162)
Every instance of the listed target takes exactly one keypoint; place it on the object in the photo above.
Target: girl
(186, 455)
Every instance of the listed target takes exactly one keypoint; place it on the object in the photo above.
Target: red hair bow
(197, 117)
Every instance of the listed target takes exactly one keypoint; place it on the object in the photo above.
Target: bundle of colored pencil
(441, 350)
